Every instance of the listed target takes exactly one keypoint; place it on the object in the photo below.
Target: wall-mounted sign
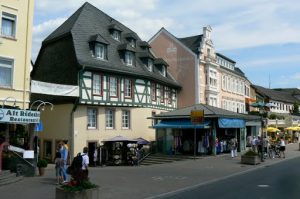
(197, 116)
(19, 116)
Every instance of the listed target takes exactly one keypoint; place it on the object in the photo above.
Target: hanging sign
(197, 116)
(19, 116)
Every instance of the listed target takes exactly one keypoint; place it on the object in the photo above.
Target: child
(59, 163)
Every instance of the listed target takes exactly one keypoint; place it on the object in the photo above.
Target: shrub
(42, 163)
(250, 153)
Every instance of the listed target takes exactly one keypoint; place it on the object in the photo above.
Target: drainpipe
(72, 135)
(26, 55)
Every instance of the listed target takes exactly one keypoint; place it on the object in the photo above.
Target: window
(100, 51)
(162, 70)
(153, 92)
(97, 84)
(109, 119)
(127, 88)
(92, 118)
(129, 58)
(213, 78)
(6, 72)
(125, 119)
(113, 87)
(116, 35)
(8, 27)
(169, 95)
(150, 65)
(132, 43)
(162, 94)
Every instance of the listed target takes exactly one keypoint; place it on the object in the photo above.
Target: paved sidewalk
(146, 181)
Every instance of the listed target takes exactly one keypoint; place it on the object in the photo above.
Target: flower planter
(250, 160)
(85, 194)
(41, 171)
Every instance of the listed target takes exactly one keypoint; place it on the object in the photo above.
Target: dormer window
(150, 65)
(162, 70)
(116, 35)
(129, 57)
(132, 43)
(100, 51)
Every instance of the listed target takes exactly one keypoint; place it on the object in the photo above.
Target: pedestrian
(64, 155)
(233, 147)
(282, 147)
(85, 163)
(95, 157)
(253, 144)
(58, 161)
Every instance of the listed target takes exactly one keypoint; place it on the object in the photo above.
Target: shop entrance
(92, 146)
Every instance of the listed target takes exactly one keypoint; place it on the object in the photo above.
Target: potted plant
(250, 157)
(42, 164)
(79, 186)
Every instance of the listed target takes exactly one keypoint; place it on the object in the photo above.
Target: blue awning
(231, 123)
(181, 124)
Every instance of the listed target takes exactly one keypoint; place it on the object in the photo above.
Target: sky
(262, 36)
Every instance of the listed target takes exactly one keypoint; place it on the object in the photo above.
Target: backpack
(77, 162)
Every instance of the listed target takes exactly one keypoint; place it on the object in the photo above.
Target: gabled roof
(292, 91)
(224, 57)
(209, 112)
(89, 21)
(98, 38)
(192, 42)
(275, 94)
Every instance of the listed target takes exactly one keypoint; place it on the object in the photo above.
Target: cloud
(41, 31)
(271, 61)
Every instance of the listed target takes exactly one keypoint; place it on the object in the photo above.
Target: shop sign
(19, 116)
(197, 116)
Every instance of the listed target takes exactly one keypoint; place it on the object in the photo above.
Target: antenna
(269, 82)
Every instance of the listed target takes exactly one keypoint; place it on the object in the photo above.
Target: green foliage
(250, 153)
(295, 107)
(80, 187)
(42, 163)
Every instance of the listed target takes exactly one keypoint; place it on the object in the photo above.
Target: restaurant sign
(19, 116)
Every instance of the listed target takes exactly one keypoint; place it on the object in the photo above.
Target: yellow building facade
(15, 51)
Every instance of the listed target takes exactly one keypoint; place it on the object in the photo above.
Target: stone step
(6, 177)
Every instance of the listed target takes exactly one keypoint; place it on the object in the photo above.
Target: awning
(231, 123)
(181, 124)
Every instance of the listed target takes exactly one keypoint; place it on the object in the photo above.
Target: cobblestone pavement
(145, 181)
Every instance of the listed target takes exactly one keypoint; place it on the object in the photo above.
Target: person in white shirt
(85, 162)
(282, 147)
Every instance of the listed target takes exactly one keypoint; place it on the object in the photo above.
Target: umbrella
(119, 138)
(142, 141)
(272, 129)
(293, 128)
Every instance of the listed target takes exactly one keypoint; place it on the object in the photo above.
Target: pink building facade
(205, 76)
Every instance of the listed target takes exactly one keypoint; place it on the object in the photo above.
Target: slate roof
(292, 91)
(89, 21)
(209, 112)
(275, 94)
(224, 57)
(192, 42)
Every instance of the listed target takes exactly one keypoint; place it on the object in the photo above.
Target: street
(270, 182)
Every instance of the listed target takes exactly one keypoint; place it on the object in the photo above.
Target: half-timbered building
(120, 83)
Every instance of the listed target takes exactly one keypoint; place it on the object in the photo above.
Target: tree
(295, 108)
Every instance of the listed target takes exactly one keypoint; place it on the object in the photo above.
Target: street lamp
(42, 105)
(263, 108)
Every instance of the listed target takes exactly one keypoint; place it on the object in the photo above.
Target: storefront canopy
(231, 123)
(181, 124)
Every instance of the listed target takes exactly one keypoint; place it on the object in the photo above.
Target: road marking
(263, 185)
(162, 178)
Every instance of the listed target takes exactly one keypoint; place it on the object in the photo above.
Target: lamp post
(263, 108)
(42, 105)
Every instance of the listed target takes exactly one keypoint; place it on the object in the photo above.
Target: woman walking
(59, 164)
(282, 147)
